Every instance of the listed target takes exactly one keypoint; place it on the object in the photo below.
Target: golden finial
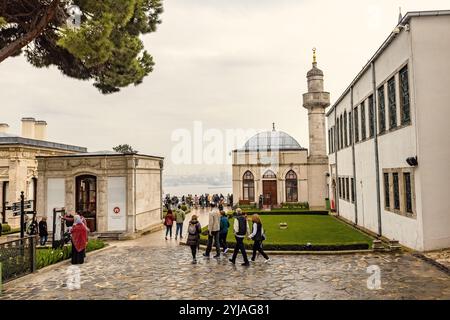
(314, 55)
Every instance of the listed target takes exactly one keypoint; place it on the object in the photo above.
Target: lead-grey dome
(271, 140)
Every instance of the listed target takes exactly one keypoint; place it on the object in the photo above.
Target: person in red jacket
(168, 222)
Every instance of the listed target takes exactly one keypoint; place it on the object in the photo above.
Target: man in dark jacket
(240, 231)
(43, 233)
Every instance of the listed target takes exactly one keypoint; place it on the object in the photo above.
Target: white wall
(56, 196)
(117, 198)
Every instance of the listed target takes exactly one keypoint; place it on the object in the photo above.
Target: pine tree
(105, 48)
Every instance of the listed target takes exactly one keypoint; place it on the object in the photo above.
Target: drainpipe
(135, 162)
(355, 199)
(377, 162)
(336, 135)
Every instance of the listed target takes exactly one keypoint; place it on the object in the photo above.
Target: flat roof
(385, 44)
(9, 139)
(105, 153)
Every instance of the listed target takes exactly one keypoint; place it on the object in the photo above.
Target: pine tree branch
(35, 31)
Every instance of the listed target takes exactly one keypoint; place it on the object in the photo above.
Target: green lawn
(318, 230)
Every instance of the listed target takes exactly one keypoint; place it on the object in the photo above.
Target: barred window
(350, 127)
(356, 122)
(387, 202)
(408, 195)
(371, 117)
(347, 188)
(353, 189)
(341, 132)
(249, 186)
(340, 187)
(392, 104)
(345, 129)
(381, 110)
(404, 96)
(396, 191)
(363, 121)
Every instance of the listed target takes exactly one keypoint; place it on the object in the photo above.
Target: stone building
(273, 165)
(389, 153)
(18, 164)
(116, 192)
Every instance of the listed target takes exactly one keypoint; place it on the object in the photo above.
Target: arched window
(249, 187)
(269, 175)
(291, 187)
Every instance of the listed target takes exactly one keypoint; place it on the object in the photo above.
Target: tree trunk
(35, 31)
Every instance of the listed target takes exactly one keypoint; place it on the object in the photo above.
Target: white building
(272, 164)
(390, 157)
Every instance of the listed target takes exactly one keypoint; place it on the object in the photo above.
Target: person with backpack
(213, 231)
(168, 222)
(180, 216)
(224, 225)
(240, 228)
(193, 239)
(258, 237)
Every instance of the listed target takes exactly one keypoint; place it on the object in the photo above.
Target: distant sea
(196, 189)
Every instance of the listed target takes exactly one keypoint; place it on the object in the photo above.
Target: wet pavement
(153, 268)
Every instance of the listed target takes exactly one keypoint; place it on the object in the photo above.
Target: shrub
(295, 205)
(6, 228)
(46, 257)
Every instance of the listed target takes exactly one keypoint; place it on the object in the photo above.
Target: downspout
(353, 186)
(336, 134)
(377, 162)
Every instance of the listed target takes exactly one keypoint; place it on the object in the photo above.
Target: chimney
(28, 128)
(40, 130)
(4, 127)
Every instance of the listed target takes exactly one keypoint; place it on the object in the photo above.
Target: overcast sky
(231, 64)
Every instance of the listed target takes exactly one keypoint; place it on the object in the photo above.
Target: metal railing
(17, 258)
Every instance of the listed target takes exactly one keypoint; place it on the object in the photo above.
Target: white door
(56, 196)
(117, 209)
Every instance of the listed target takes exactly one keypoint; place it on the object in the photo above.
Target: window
(371, 117)
(337, 134)
(363, 121)
(347, 189)
(269, 175)
(381, 110)
(392, 104)
(329, 141)
(345, 129)
(340, 187)
(350, 127)
(249, 187)
(291, 187)
(342, 132)
(387, 202)
(408, 195)
(353, 189)
(404, 96)
(356, 122)
(396, 191)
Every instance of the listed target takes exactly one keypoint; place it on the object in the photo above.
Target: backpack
(192, 229)
(242, 226)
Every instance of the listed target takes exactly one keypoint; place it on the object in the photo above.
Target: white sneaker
(267, 260)
(226, 250)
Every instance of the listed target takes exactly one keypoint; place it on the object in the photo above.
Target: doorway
(86, 199)
(270, 192)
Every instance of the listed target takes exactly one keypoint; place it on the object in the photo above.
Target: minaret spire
(314, 57)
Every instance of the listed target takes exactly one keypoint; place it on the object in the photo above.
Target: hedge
(48, 256)
(296, 247)
(282, 211)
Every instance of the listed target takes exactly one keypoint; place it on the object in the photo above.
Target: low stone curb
(433, 262)
(55, 266)
(300, 252)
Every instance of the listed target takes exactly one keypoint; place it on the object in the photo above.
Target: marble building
(273, 164)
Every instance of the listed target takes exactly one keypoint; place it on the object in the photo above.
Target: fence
(17, 258)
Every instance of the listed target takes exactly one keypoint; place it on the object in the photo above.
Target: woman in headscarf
(79, 240)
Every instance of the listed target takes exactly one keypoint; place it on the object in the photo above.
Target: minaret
(316, 101)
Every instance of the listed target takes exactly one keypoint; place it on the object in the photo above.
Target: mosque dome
(271, 140)
(315, 72)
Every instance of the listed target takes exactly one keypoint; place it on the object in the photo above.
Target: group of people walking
(198, 201)
(218, 226)
(178, 218)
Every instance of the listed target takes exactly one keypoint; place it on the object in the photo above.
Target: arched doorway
(86, 199)
(270, 188)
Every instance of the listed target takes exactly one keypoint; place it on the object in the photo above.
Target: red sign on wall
(116, 210)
